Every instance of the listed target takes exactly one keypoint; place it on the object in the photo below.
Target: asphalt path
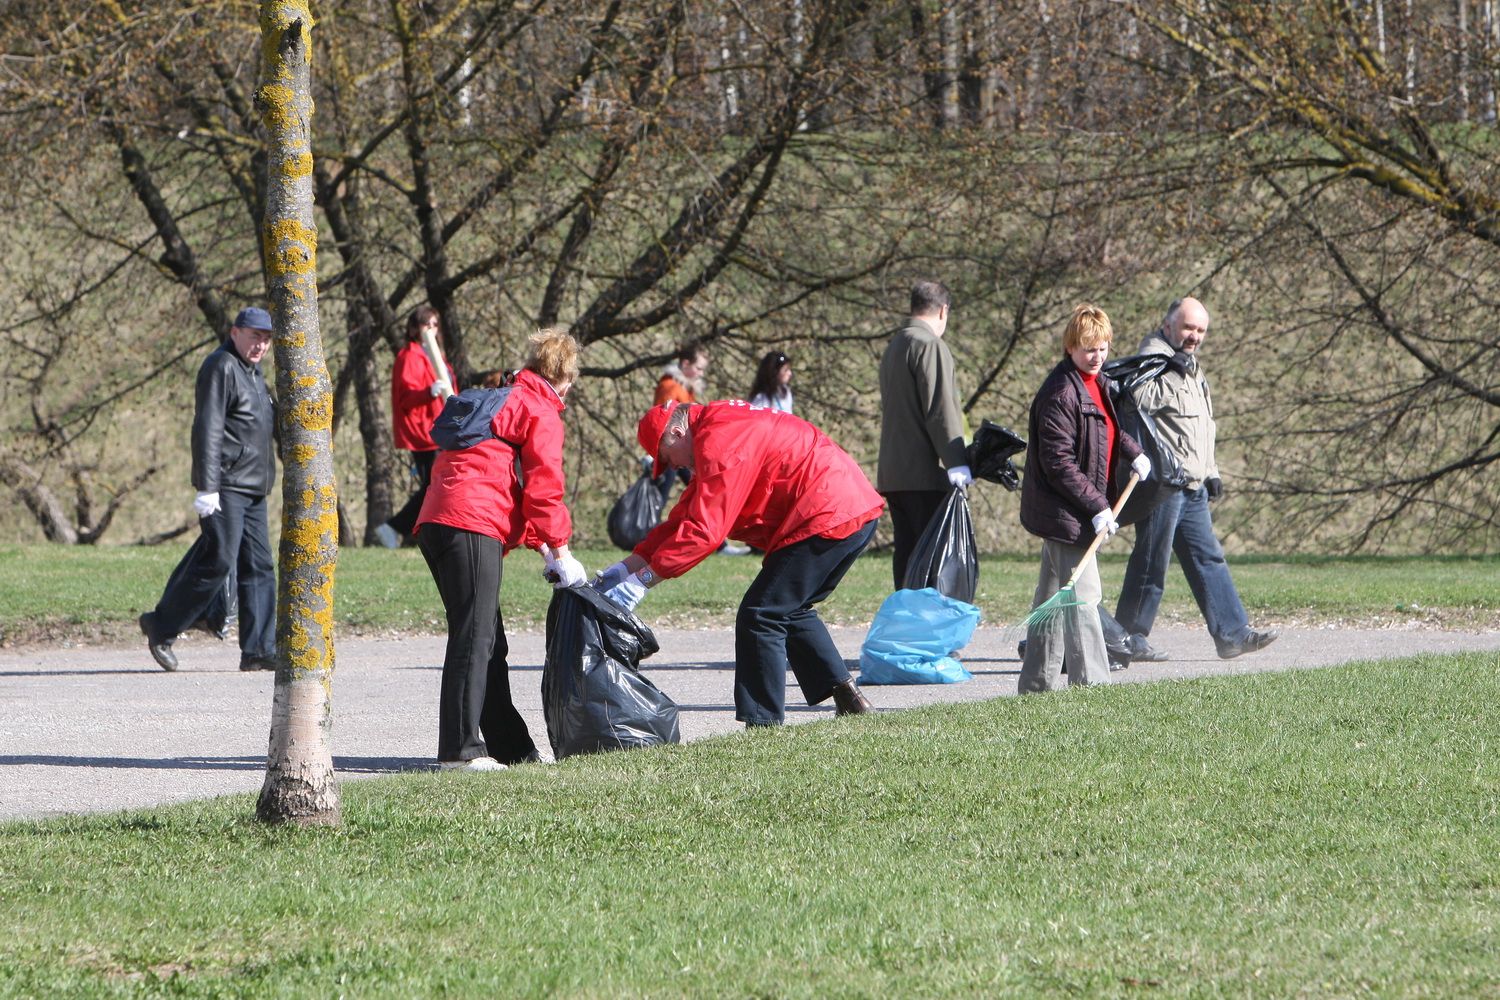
(102, 728)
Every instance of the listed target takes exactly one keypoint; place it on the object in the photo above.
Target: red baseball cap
(649, 431)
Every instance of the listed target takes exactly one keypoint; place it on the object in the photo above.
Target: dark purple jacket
(1066, 483)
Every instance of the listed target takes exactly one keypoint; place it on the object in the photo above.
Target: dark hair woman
(772, 389)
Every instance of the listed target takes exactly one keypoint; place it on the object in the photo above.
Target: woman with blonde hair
(1077, 461)
(477, 509)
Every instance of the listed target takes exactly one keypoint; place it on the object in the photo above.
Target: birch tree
(299, 785)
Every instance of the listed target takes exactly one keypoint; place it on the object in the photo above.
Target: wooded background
(774, 175)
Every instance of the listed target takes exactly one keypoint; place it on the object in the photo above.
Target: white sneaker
(476, 764)
(387, 536)
(732, 549)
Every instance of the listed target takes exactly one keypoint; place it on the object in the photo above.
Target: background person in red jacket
(417, 396)
(476, 511)
(779, 483)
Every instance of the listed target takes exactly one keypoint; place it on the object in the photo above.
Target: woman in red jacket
(477, 509)
(780, 484)
(417, 396)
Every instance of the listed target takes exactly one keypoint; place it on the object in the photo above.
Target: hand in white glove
(960, 476)
(205, 504)
(627, 593)
(1141, 466)
(439, 389)
(1105, 523)
(569, 572)
(610, 578)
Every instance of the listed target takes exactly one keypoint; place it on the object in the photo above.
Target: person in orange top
(682, 380)
(417, 396)
(477, 509)
(779, 483)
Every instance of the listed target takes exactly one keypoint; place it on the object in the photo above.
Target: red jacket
(476, 488)
(413, 406)
(767, 478)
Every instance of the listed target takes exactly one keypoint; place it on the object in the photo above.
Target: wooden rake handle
(1099, 538)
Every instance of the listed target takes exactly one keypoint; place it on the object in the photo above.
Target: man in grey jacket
(1179, 401)
(922, 453)
(234, 468)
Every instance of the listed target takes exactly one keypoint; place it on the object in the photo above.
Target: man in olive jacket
(922, 453)
(234, 468)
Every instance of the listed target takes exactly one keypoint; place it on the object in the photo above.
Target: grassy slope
(86, 592)
(1321, 833)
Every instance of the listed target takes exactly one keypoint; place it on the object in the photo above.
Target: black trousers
(234, 540)
(911, 510)
(405, 519)
(476, 717)
(777, 627)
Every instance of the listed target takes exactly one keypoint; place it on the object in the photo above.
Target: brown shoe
(849, 700)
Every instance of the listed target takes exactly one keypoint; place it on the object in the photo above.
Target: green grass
(1314, 833)
(59, 591)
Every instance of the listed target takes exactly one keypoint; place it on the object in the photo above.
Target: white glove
(205, 504)
(569, 572)
(627, 593)
(438, 389)
(1105, 523)
(610, 578)
(960, 476)
(1141, 466)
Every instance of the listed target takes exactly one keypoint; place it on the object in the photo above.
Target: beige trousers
(1073, 635)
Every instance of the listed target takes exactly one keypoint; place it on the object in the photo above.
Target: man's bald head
(1187, 325)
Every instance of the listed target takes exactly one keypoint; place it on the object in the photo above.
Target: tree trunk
(39, 499)
(948, 42)
(1487, 49)
(299, 786)
(1463, 60)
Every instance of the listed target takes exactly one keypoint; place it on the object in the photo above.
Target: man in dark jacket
(233, 471)
(922, 449)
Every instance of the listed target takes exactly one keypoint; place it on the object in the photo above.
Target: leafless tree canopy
(775, 174)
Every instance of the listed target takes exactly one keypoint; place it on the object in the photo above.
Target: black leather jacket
(232, 426)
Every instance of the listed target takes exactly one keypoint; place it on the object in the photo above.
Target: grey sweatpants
(1073, 634)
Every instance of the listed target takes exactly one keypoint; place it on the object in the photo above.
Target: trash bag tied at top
(593, 696)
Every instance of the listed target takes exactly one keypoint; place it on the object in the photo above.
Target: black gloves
(1181, 363)
(1215, 487)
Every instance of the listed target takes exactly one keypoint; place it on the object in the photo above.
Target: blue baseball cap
(255, 318)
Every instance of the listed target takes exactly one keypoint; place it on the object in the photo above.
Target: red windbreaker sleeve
(700, 521)
(537, 427)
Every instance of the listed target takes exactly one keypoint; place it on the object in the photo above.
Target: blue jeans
(777, 627)
(1181, 524)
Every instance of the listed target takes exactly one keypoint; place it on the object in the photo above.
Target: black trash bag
(945, 557)
(636, 512)
(1166, 471)
(990, 452)
(593, 697)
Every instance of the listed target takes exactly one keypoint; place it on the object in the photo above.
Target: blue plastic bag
(912, 638)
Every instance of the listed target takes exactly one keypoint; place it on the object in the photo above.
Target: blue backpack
(468, 418)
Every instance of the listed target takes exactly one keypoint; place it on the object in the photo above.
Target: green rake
(1059, 602)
